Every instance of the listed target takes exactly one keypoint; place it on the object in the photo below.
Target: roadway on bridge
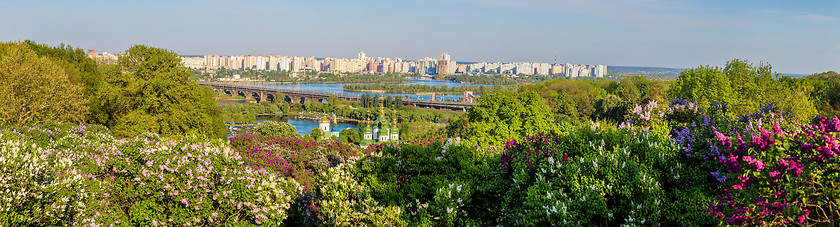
(463, 106)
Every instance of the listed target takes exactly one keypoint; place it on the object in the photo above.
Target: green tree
(150, 91)
(744, 88)
(704, 85)
(459, 128)
(317, 134)
(34, 90)
(81, 69)
(276, 129)
(611, 108)
(349, 135)
(332, 100)
(504, 116)
(565, 108)
(398, 102)
(585, 95)
(420, 130)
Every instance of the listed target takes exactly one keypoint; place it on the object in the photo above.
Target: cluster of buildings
(376, 132)
(103, 57)
(443, 65)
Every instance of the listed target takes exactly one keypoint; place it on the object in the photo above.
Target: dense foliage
(582, 176)
(593, 176)
(81, 175)
(730, 85)
(496, 78)
(276, 129)
(147, 91)
(35, 89)
(505, 116)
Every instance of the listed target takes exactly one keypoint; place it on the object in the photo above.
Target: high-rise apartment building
(445, 65)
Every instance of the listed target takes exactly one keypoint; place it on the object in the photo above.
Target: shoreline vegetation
(426, 89)
(304, 82)
(296, 116)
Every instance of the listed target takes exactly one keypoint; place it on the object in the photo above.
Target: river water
(302, 126)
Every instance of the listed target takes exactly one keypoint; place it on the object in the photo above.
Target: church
(377, 132)
(382, 131)
(324, 125)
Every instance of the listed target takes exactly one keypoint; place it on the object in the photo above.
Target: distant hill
(643, 69)
(659, 72)
(621, 71)
(793, 75)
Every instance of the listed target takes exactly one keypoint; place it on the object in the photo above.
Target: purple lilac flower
(719, 176)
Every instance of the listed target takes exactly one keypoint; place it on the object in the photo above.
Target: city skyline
(443, 65)
(793, 37)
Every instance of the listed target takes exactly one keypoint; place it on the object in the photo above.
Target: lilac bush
(95, 179)
(592, 176)
(779, 177)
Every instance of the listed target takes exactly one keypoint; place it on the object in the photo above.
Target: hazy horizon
(798, 37)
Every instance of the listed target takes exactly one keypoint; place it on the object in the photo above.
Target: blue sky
(794, 36)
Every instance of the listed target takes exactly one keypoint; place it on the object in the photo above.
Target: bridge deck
(320, 95)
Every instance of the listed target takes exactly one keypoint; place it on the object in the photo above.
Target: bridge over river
(262, 94)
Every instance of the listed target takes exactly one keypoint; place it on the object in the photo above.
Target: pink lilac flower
(723, 139)
(759, 165)
(775, 174)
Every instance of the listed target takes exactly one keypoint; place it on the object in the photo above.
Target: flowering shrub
(591, 176)
(449, 202)
(302, 160)
(678, 166)
(344, 201)
(31, 191)
(649, 118)
(779, 177)
(94, 179)
(413, 176)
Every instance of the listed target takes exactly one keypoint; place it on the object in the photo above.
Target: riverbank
(315, 117)
(307, 82)
(227, 98)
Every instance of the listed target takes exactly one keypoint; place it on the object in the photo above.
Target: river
(338, 88)
(302, 126)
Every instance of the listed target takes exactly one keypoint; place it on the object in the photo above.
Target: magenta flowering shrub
(302, 160)
(779, 177)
